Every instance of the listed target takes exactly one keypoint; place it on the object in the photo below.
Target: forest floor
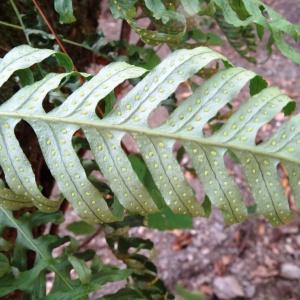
(252, 260)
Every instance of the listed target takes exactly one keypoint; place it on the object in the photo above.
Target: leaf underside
(56, 129)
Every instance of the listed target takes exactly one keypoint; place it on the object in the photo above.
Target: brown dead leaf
(261, 230)
(183, 239)
(206, 290)
(270, 263)
(264, 272)
(222, 264)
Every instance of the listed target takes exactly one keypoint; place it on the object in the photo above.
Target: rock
(250, 291)
(290, 271)
(227, 287)
(298, 240)
(289, 230)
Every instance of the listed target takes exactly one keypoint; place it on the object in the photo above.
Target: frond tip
(56, 128)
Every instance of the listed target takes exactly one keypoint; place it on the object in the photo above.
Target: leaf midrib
(148, 132)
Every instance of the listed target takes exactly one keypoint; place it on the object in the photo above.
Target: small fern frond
(261, 14)
(56, 128)
(242, 39)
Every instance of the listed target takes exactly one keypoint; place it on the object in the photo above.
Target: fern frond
(242, 39)
(56, 129)
(261, 14)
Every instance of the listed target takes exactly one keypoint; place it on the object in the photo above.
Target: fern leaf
(242, 39)
(56, 128)
(263, 15)
(42, 248)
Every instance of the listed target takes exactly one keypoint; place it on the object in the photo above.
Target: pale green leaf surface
(159, 84)
(192, 7)
(21, 57)
(117, 169)
(260, 171)
(156, 6)
(186, 124)
(65, 10)
(19, 174)
(195, 113)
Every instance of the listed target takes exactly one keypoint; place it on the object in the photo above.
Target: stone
(250, 291)
(290, 271)
(227, 287)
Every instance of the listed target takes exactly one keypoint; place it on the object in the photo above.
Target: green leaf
(285, 48)
(205, 38)
(40, 246)
(4, 265)
(187, 295)
(81, 227)
(84, 273)
(110, 100)
(64, 60)
(25, 280)
(65, 10)
(20, 58)
(126, 10)
(143, 57)
(257, 84)
(167, 220)
(289, 108)
(124, 294)
(123, 8)
(5, 246)
(25, 76)
(107, 274)
(257, 12)
(156, 7)
(148, 182)
(192, 7)
(242, 39)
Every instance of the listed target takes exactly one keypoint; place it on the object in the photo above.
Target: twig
(67, 41)
(16, 10)
(59, 42)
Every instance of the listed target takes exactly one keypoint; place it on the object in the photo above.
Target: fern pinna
(242, 39)
(56, 128)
